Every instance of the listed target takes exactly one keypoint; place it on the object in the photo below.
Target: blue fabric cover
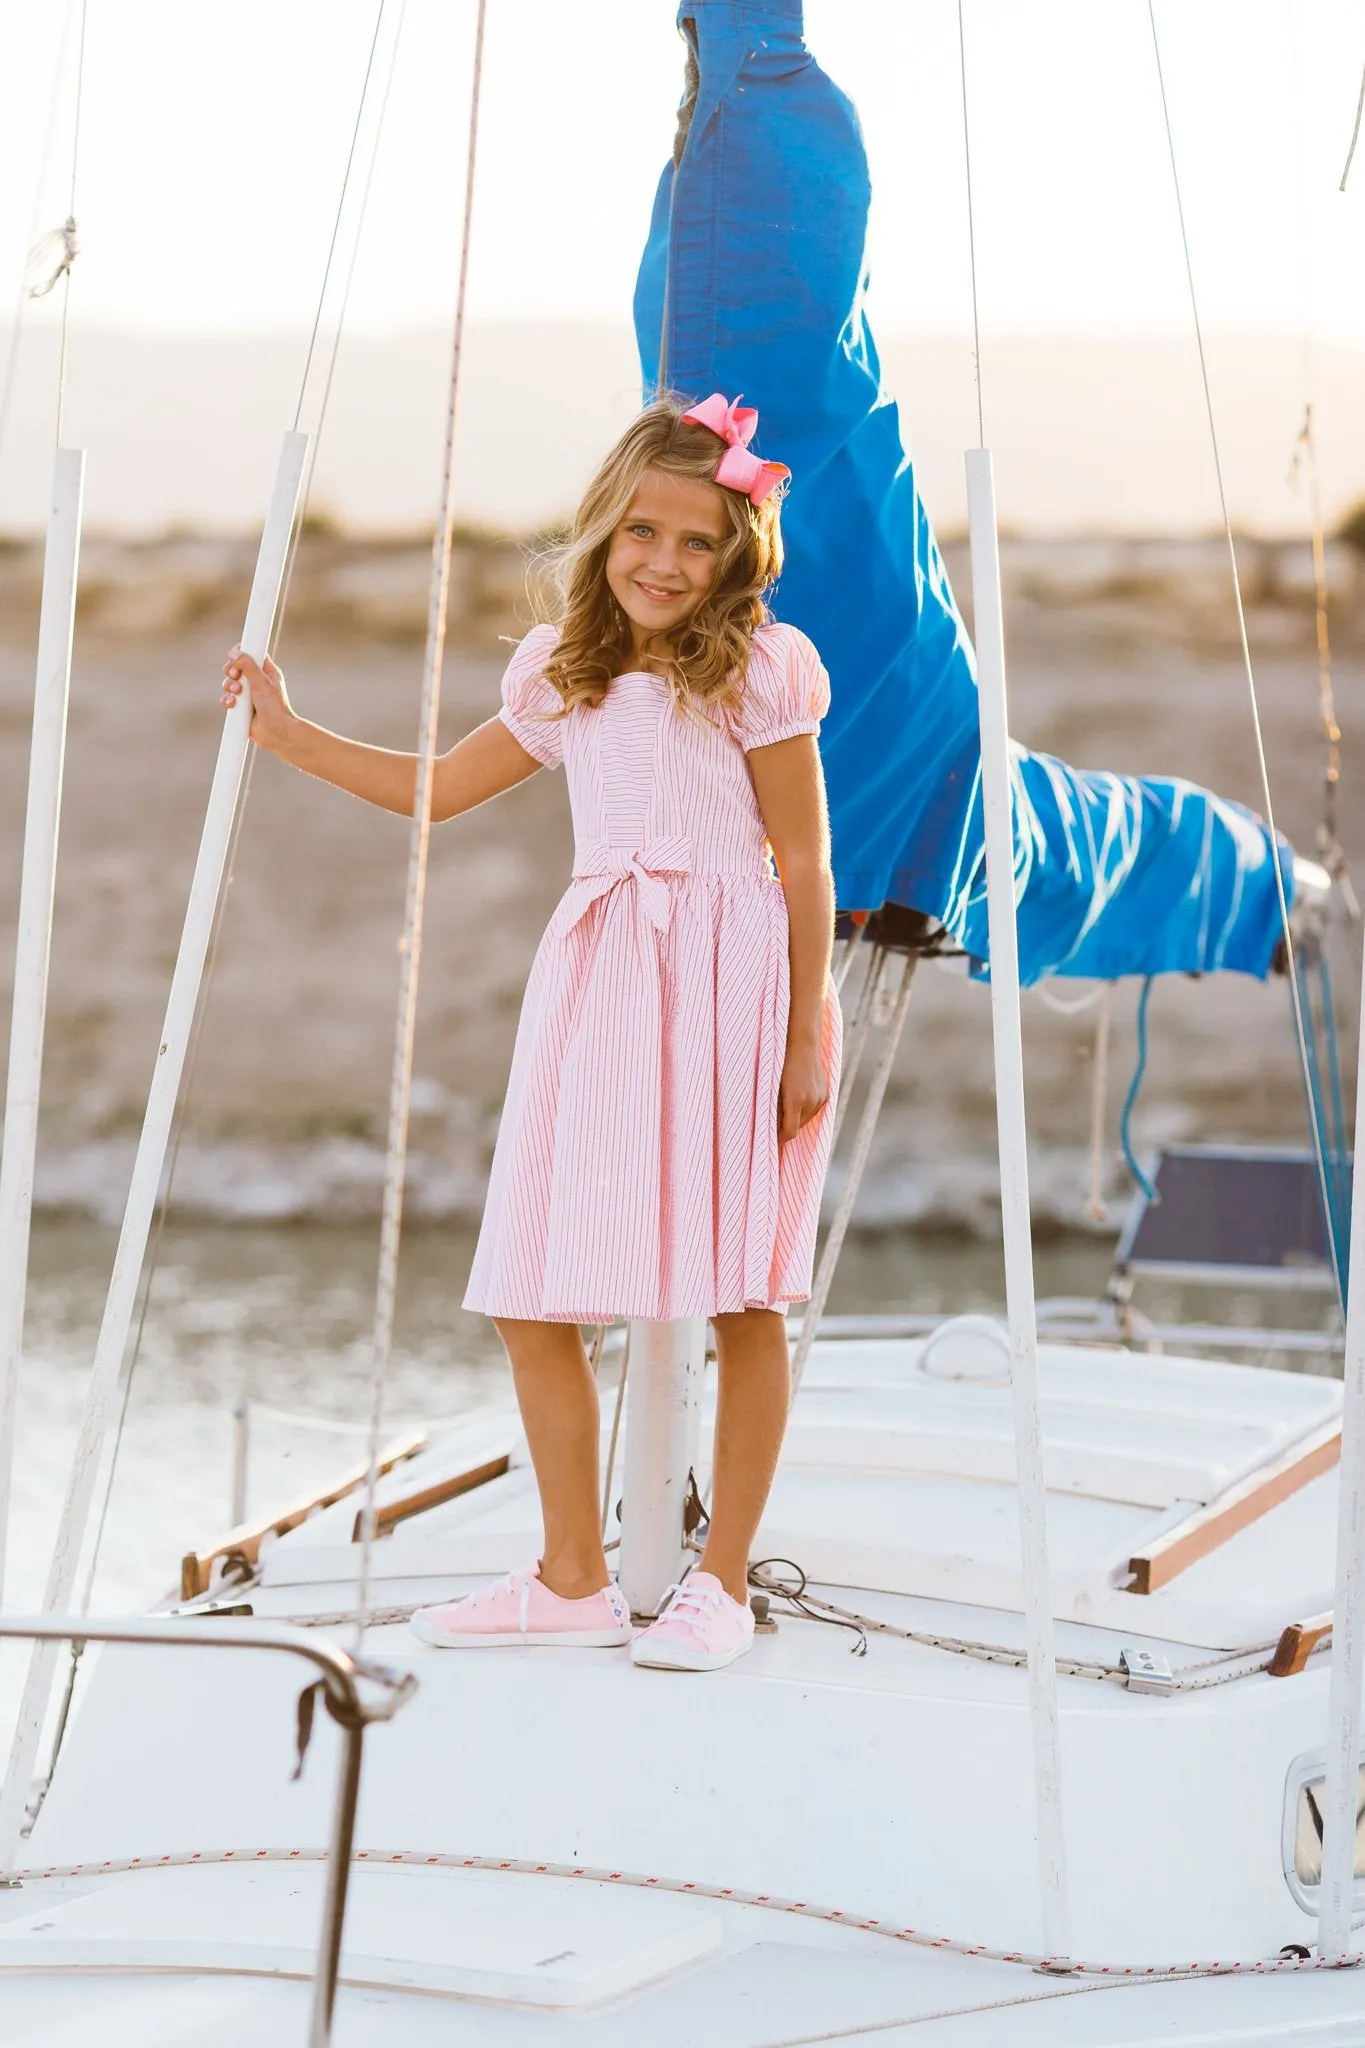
(760, 239)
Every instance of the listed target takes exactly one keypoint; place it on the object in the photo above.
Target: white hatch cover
(562, 1945)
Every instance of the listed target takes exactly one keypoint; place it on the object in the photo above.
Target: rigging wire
(391, 1227)
(341, 207)
(315, 439)
(1355, 135)
(1328, 842)
(206, 986)
(24, 296)
(1287, 934)
(1305, 470)
(69, 244)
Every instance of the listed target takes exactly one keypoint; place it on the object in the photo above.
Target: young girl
(665, 1133)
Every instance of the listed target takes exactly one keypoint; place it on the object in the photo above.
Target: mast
(667, 1365)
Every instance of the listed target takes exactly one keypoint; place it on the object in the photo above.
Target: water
(282, 1315)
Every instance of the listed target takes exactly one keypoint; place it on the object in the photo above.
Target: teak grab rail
(1214, 1524)
(244, 1543)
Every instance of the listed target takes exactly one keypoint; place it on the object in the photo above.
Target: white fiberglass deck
(897, 1480)
(893, 1786)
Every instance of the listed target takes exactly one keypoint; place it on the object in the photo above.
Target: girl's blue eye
(698, 542)
(643, 532)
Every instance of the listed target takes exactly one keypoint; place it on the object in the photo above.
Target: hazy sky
(214, 134)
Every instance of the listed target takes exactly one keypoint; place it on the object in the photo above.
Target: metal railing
(341, 1677)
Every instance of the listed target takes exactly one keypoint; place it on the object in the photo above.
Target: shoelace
(518, 1582)
(691, 1605)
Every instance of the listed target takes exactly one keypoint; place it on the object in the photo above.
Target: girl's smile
(663, 555)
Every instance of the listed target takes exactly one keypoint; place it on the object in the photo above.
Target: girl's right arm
(482, 765)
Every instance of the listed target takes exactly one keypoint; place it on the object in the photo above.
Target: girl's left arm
(790, 789)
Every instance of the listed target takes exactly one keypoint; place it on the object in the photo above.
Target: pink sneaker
(700, 1629)
(518, 1609)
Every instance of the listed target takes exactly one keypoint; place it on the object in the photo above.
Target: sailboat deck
(576, 1760)
(895, 1479)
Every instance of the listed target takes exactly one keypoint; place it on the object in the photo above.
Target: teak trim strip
(1212, 1525)
(244, 1543)
(393, 1512)
(1297, 1645)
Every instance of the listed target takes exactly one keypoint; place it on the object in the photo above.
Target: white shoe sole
(568, 1639)
(675, 1657)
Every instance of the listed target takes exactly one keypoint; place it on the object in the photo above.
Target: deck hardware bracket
(761, 1608)
(1146, 1672)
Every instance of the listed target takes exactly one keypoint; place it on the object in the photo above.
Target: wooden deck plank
(1214, 1524)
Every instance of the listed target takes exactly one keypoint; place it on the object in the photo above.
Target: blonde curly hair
(706, 656)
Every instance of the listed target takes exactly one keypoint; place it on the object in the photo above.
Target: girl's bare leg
(751, 1418)
(557, 1397)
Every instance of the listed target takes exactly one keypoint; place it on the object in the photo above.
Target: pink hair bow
(737, 469)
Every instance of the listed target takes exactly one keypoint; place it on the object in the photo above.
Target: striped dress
(637, 1170)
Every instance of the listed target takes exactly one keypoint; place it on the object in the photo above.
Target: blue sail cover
(757, 249)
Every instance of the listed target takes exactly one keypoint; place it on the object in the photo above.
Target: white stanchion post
(663, 1427)
(47, 756)
(215, 843)
(1340, 1796)
(1014, 1192)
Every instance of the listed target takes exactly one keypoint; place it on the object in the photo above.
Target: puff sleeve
(786, 689)
(527, 697)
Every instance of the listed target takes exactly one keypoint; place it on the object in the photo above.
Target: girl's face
(662, 558)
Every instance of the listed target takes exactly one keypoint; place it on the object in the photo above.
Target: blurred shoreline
(1124, 655)
(346, 583)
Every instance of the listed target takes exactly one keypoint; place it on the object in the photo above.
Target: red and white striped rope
(115, 1866)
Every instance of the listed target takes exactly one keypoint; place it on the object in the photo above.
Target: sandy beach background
(1123, 655)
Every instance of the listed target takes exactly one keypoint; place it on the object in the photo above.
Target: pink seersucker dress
(637, 1170)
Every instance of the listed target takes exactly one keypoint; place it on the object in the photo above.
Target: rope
(1201, 1676)
(391, 1227)
(1284, 1964)
(1245, 643)
(1134, 1089)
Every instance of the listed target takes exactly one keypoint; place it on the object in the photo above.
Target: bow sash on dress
(600, 867)
(612, 1106)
